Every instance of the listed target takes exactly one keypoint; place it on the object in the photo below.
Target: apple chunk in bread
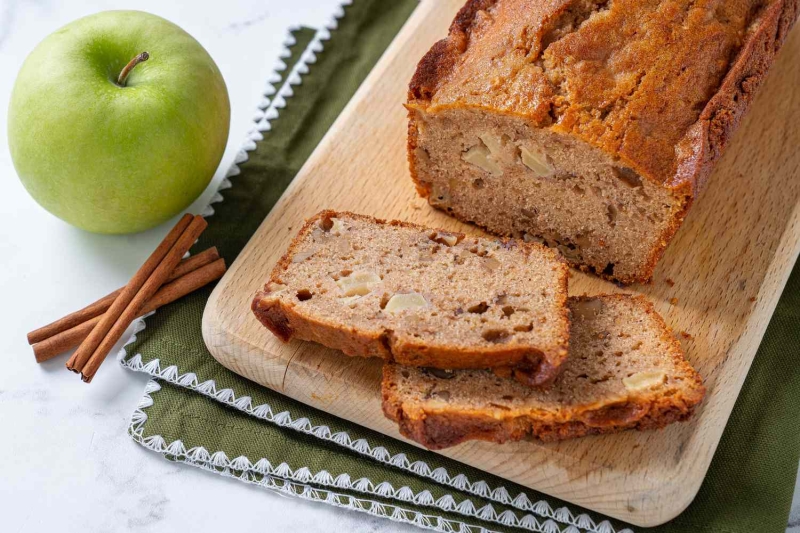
(538, 185)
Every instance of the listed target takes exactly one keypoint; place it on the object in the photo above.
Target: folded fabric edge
(273, 100)
(542, 508)
(284, 480)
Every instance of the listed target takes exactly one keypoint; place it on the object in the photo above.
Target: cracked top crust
(660, 85)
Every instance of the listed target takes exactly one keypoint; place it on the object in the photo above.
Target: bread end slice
(421, 297)
(625, 371)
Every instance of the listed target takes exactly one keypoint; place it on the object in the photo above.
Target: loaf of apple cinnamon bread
(625, 370)
(589, 125)
(421, 297)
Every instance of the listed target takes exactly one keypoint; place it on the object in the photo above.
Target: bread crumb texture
(421, 297)
(625, 370)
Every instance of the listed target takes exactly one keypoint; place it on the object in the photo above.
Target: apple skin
(109, 158)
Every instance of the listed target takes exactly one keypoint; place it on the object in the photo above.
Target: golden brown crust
(764, 27)
(652, 129)
(441, 428)
(529, 366)
(443, 55)
(706, 139)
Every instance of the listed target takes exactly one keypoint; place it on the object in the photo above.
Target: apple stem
(123, 76)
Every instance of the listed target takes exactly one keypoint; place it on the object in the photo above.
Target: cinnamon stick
(168, 293)
(101, 306)
(124, 299)
(148, 289)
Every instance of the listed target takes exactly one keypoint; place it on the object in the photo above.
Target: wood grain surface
(729, 264)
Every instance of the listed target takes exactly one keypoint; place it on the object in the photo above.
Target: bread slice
(586, 124)
(625, 370)
(420, 297)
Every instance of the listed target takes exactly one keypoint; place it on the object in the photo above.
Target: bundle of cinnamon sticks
(162, 279)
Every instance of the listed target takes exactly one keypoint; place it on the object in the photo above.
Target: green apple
(112, 151)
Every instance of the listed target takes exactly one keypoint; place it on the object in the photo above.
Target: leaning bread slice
(420, 297)
(625, 370)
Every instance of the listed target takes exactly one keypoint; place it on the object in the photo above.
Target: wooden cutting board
(729, 264)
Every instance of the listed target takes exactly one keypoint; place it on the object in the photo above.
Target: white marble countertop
(69, 464)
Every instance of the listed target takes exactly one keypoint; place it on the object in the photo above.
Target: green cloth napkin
(198, 412)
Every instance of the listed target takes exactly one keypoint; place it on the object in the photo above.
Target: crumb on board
(673, 301)
(686, 335)
(670, 282)
(416, 203)
(753, 298)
